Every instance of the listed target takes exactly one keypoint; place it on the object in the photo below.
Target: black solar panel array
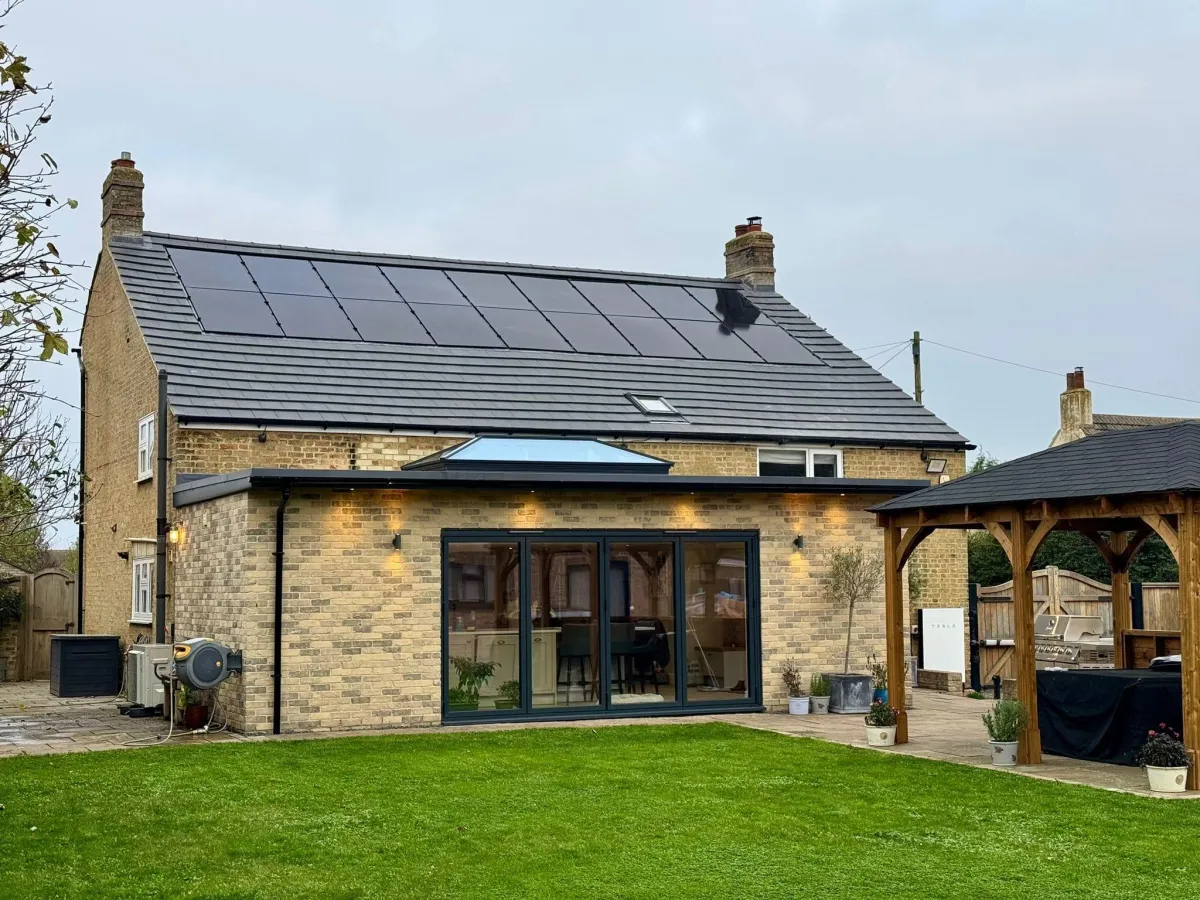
(278, 296)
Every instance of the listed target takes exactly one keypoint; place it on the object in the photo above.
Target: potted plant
(881, 725)
(472, 675)
(1005, 723)
(1165, 759)
(818, 687)
(878, 679)
(797, 698)
(510, 695)
(854, 575)
(192, 708)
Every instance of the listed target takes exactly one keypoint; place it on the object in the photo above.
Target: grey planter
(850, 693)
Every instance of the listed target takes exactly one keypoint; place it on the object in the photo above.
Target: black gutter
(161, 527)
(82, 489)
(213, 487)
(278, 687)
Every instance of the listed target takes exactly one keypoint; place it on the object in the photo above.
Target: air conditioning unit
(141, 680)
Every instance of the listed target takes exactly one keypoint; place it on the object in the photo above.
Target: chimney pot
(750, 255)
(739, 230)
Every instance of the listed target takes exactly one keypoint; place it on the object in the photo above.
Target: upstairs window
(797, 462)
(145, 453)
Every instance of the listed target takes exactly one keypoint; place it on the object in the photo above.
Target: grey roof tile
(283, 381)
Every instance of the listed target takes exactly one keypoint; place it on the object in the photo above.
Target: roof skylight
(653, 405)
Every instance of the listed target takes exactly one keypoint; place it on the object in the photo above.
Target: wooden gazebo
(1117, 489)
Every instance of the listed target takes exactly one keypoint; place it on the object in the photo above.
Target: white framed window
(800, 462)
(145, 452)
(142, 612)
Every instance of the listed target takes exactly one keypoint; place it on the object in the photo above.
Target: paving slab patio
(942, 727)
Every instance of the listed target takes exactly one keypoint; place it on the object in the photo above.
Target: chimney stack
(750, 255)
(1075, 407)
(121, 200)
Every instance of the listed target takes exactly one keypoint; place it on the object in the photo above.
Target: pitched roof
(268, 379)
(1102, 423)
(1121, 463)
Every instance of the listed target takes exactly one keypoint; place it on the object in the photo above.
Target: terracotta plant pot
(798, 706)
(195, 716)
(1167, 779)
(881, 735)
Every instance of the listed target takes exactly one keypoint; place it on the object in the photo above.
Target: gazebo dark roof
(1154, 460)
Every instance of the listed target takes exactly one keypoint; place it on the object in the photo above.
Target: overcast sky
(1013, 179)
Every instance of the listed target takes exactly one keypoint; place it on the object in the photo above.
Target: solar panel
(456, 326)
(362, 282)
(614, 298)
(233, 312)
(714, 340)
(590, 333)
(285, 276)
(311, 317)
(389, 322)
(777, 346)
(553, 294)
(424, 285)
(200, 269)
(654, 337)
(673, 302)
(524, 329)
(489, 289)
(730, 306)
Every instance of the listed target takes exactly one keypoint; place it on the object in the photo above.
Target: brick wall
(362, 644)
(121, 388)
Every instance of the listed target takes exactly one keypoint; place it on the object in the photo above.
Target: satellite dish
(203, 664)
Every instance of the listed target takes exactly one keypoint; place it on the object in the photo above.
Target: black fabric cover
(1104, 714)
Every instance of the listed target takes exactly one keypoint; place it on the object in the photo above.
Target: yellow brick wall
(121, 388)
(362, 640)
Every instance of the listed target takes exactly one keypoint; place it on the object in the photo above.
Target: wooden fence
(1057, 592)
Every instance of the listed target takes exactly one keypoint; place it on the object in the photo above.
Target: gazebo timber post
(893, 592)
(1029, 749)
(1188, 557)
(1119, 551)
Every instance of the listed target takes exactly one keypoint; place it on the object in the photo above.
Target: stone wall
(362, 639)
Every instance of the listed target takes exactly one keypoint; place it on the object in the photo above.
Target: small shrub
(878, 672)
(792, 679)
(1006, 721)
(882, 715)
(511, 690)
(1163, 748)
(975, 695)
(12, 604)
(819, 685)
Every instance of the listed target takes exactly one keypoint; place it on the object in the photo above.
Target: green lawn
(649, 811)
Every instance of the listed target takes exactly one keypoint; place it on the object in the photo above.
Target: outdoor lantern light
(173, 534)
(396, 541)
(934, 465)
(798, 543)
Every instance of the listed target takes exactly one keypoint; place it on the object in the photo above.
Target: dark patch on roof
(275, 381)
(1121, 463)
(1103, 423)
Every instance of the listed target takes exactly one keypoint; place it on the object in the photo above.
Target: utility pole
(916, 351)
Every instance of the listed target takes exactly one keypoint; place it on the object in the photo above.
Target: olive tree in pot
(1005, 723)
(1165, 759)
(881, 725)
(854, 575)
(797, 698)
(818, 687)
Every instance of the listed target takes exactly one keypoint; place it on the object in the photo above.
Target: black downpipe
(160, 542)
(278, 688)
(82, 489)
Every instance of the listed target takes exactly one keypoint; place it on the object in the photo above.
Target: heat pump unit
(142, 683)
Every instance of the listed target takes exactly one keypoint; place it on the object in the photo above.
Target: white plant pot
(1004, 753)
(798, 706)
(881, 735)
(1167, 779)
(820, 705)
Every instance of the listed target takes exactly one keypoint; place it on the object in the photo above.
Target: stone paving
(941, 726)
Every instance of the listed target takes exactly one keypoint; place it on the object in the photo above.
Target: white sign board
(942, 641)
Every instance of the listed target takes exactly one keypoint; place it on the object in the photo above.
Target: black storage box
(85, 665)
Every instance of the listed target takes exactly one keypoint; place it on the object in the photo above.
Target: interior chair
(575, 647)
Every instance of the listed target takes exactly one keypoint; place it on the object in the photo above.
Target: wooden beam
(1189, 627)
(1040, 533)
(893, 590)
(1164, 530)
(998, 531)
(1102, 546)
(1122, 602)
(909, 542)
(1030, 748)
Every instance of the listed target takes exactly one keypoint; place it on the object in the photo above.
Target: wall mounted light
(173, 534)
(397, 541)
(934, 465)
(798, 543)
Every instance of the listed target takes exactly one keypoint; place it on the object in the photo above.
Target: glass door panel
(715, 581)
(564, 593)
(483, 622)
(641, 622)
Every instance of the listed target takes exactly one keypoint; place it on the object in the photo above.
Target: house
(1076, 419)
(419, 490)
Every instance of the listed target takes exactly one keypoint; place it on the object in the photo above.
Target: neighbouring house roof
(197, 489)
(273, 336)
(1152, 460)
(1103, 423)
